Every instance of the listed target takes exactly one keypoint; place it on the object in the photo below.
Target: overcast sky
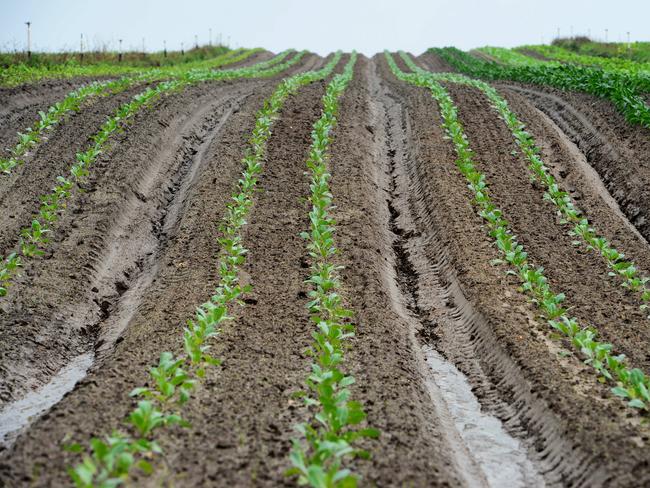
(368, 26)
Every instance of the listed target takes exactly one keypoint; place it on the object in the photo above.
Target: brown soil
(533, 54)
(135, 254)
(249, 407)
(435, 63)
(413, 438)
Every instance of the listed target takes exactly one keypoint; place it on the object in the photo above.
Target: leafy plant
(8, 269)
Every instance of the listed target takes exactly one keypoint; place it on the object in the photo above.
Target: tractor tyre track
(596, 298)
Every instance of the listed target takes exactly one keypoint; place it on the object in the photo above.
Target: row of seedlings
(570, 214)
(34, 238)
(330, 434)
(20, 73)
(632, 384)
(116, 458)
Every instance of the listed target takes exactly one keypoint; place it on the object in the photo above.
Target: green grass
(129, 58)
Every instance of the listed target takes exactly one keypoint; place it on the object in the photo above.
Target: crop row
(622, 89)
(73, 101)
(33, 239)
(566, 56)
(631, 383)
(55, 114)
(333, 429)
(111, 460)
(625, 269)
(510, 56)
(21, 73)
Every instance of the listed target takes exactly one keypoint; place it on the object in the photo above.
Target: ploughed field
(434, 262)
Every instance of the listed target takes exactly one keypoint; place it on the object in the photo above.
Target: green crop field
(238, 267)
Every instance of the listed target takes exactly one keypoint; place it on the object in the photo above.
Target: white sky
(368, 26)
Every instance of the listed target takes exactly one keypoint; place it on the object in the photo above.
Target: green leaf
(145, 466)
(636, 403)
(369, 432)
